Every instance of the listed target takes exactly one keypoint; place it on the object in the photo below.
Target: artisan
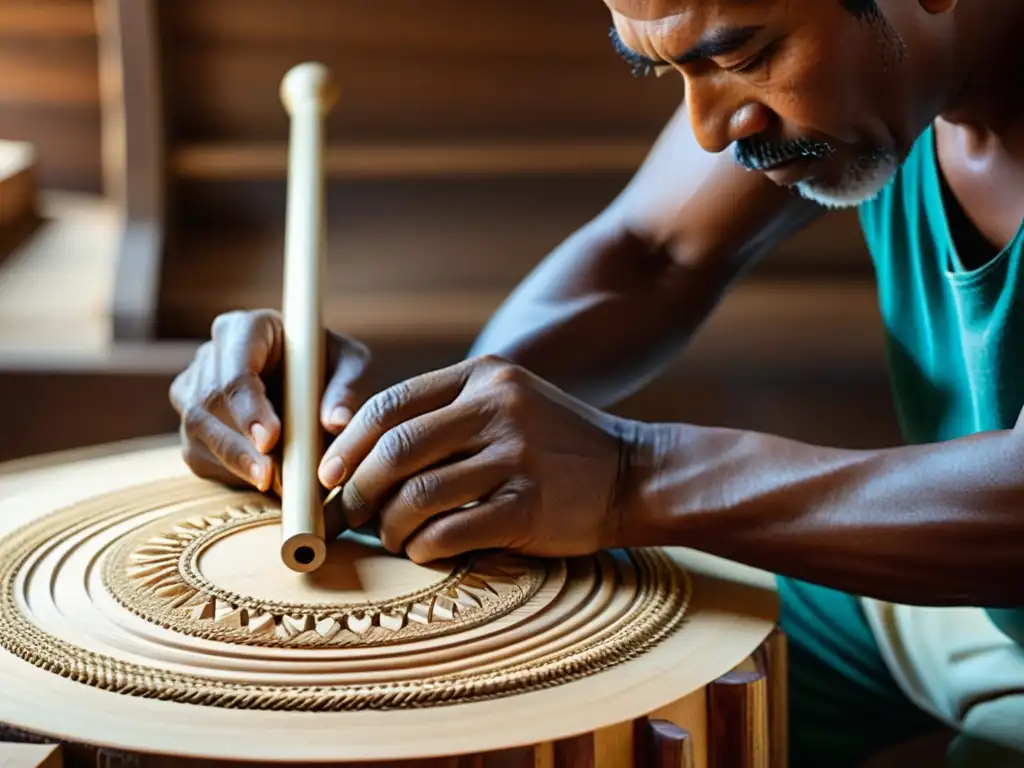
(910, 110)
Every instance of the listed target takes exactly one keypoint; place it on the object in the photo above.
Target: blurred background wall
(470, 139)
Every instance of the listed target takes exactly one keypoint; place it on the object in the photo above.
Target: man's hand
(229, 397)
(482, 455)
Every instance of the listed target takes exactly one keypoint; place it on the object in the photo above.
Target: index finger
(245, 350)
(386, 410)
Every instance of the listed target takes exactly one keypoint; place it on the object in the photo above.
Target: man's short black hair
(868, 12)
(861, 8)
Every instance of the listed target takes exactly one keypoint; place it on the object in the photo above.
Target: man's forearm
(938, 524)
(602, 315)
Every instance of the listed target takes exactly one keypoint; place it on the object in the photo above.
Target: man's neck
(990, 99)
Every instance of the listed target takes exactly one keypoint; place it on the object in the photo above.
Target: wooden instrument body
(557, 664)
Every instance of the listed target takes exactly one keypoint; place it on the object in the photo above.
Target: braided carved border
(662, 596)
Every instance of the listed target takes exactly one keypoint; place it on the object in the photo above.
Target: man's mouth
(776, 160)
(791, 172)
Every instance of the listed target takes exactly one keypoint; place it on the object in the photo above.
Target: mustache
(756, 155)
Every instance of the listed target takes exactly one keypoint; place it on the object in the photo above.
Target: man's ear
(938, 6)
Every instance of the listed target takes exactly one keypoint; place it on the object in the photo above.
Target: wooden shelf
(55, 286)
(782, 326)
(228, 161)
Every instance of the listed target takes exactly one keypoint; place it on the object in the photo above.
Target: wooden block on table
(30, 755)
(19, 210)
(17, 181)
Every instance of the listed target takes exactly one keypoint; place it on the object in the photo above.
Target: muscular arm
(937, 524)
(615, 302)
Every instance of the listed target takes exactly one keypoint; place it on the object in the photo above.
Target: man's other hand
(229, 397)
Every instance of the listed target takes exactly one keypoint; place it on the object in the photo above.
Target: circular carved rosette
(159, 575)
(174, 590)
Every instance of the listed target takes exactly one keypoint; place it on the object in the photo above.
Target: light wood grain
(730, 614)
(14, 755)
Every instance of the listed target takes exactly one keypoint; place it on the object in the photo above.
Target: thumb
(348, 386)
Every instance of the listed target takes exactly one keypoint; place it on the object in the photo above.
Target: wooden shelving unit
(376, 161)
(456, 161)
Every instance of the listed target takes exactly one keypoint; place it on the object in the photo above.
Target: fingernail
(257, 473)
(340, 417)
(332, 471)
(260, 436)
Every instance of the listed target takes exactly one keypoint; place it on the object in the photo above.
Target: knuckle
(244, 383)
(432, 541)
(204, 356)
(247, 322)
(353, 348)
(224, 322)
(264, 323)
(491, 362)
(418, 491)
(353, 504)
(506, 378)
(193, 420)
(223, 448)
(506, 388)
(517, 452)
(383, 404)
(509, 376)
(513, 400)
(396, 446)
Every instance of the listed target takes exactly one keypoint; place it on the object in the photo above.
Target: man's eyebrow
(714, 42)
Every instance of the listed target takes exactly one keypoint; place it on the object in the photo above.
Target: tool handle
(307, 94)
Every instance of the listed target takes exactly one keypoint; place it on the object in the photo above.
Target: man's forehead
(679, 10)
(649, 10)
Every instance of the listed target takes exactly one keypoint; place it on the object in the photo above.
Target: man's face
(816, 96)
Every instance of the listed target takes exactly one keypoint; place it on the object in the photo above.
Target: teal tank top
(955, 345)
(955, 336)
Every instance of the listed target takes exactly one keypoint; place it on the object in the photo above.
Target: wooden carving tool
(307, 94)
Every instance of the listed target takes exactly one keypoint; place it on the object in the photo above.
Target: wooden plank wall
(49, 89)
(470, 139)
(426, 209)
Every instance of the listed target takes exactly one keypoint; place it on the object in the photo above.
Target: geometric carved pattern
(156, 576)
(57, 612)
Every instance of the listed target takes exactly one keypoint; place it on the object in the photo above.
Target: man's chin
(858, 183)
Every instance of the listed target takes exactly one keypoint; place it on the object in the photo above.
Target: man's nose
(720, 116)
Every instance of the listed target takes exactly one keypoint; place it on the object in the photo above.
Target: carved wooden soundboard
(147, 611)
